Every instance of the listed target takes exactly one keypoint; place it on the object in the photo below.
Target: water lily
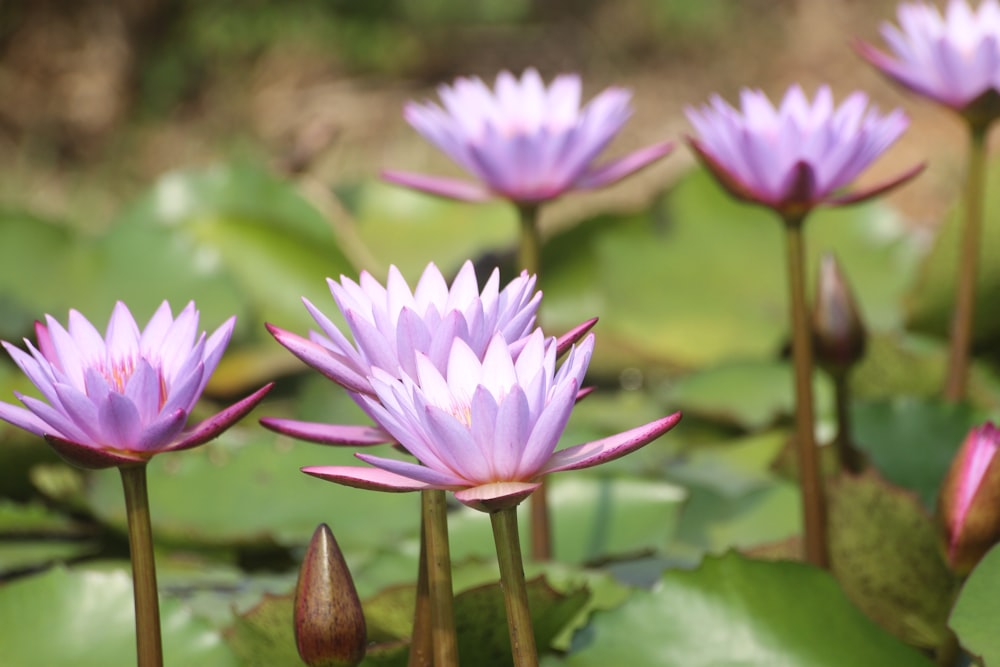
(121, 398)
(951, 57)
(798, 154)
(523, 141)
(484, 427)
(392, 324)
(969, 500)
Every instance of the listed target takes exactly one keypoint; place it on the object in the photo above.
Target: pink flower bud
(969, 502)
(839, 335)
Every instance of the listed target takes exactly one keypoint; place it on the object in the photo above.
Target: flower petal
(213, 426)
(328, 434)
(610, 448)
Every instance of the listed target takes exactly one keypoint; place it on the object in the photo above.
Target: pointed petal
(619, 169)
(732, 183)
(610, 448)
(374, 479)
(213, 426)
(568, 339)
(442, 187)
(874, 191)
(328, 434)
(326, 362)
(22, 418)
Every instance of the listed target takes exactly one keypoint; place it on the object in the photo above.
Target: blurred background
(100, 97)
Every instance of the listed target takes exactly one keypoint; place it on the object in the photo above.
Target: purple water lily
(390, 325)
(799, 154)
(485, 427)
(522, 141)
(951, 57)
(119, 399)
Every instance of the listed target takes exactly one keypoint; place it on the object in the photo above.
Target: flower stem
(529, 257)
(421, 641)
(851, 459)
(442, 602)
(515, 591)
(813, 500)
(149, 648)
(968, 267)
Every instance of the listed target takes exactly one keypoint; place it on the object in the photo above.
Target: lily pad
(268, 499)
(700, 279)
(912, 441)
(595, 517)
(735, 611)
(91, 614)
(975, 615)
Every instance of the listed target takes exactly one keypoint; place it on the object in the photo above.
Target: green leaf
(234, 239)
(84, 618)
(265, 636)
(975, 615)
(595, 517)
(269, 499)
(700, 279)
(410, 229)
(886, 553)
(933, 295)
(732, 612)
(748, 394)
(912, 441)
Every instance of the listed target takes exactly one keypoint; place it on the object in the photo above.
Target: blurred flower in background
(523, 141)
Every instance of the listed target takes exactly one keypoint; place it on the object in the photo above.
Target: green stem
(530, 249)
(813, 501)
(529, 257)
(442, 601)
(140, 541)
(421, 641)
(963, 316)
(515, 591)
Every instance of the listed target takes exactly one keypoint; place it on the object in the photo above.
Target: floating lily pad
(700, 279)
(84, 618)
(735, 611)
(975, 615)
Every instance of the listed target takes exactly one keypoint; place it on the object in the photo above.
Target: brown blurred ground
(76, 140)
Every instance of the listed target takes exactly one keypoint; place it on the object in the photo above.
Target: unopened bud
(838, 333)
(329, 623)
(969, 502)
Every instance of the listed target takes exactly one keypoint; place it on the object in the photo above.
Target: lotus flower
(522, 141)
(798, 155)
(120, 399)
(953, 58)
(485, 427)
(969, 501)
(392, 324)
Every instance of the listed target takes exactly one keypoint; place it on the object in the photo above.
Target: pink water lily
(391, 324)
(799, 154)
(485, 427)
(523, 141)
(121, 398)
(951, 57)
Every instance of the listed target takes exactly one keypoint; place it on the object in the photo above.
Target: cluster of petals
(969, 501)
(523, 141)
(951, 57)
(392, 324)
(485, 427)
(119, 399)
(798, 154)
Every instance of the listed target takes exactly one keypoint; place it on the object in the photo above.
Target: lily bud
(839, 335)
(969, 502)
(329, 623)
